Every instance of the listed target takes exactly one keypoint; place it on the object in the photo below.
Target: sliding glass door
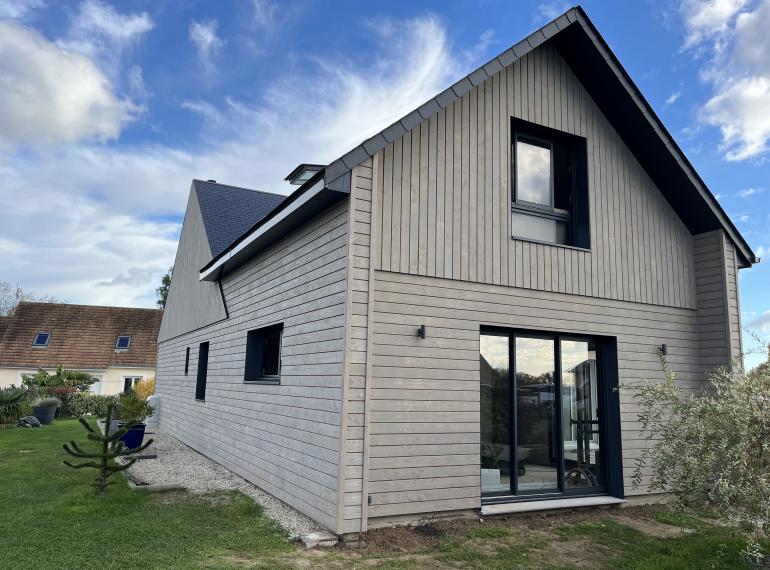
(540, 415)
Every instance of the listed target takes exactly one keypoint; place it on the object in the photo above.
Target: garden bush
(710, 449)
(86, 403)
(145, 388)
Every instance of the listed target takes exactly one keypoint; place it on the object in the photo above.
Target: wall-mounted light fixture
(421, 331)
(663, 349)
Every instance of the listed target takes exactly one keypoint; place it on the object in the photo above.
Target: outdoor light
(421, 331)
(663, 349)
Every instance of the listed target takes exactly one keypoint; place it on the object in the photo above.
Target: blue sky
(108, 110)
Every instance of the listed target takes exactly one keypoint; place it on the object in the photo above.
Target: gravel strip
(178, 464)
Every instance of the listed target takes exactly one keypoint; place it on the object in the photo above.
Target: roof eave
(309, 200)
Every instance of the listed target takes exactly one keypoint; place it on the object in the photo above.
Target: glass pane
(271, 352)
(537, 453)
(541, 229)
(533, 173)
(495, 416)
(580, 415)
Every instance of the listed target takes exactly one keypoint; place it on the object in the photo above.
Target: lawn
(52, 519)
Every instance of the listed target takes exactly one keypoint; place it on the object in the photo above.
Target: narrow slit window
(187, 361)
(263, 355)
(203, 368)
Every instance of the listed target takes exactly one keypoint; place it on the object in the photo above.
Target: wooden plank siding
(718, 306)
(285, 439)
(457, 222)
(354, 440)
(643, 281)
(425, 393)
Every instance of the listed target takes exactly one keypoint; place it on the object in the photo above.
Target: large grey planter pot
(44, 414)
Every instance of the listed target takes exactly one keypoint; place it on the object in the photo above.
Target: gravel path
(178, 464)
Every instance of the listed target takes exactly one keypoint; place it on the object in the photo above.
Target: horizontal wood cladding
(425, 412)
(445, 194)
(357, 337)
(285, 438)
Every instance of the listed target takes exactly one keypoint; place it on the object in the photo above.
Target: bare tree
(11, 296)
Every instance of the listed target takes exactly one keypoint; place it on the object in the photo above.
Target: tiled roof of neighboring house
(229, 211)
(82, 336)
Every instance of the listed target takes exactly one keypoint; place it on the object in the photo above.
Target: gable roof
(580, 44)
(229, 211)
(607, 82)
(82, 336)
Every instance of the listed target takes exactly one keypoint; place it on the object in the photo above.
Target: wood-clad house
(436, 322)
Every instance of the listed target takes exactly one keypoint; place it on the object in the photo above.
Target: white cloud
(48, 95)
(203, 35)
(552, 9)
(763, 251)
(264, 13)
(673, 98)
(104, 35)
(733, 33)
(709, 20)
(19, 9)
(745, 193)
(762, 322)
(115, 200)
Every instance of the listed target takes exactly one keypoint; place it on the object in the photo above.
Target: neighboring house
(437, 322)
(116, 345)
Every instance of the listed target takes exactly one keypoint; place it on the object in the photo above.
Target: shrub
(76, 379)
(64, 394)
(145, 388)
(133, 409)
(86, 403)
(710, 449)
(11, 404)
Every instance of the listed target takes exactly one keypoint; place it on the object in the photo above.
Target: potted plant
(44, 409)
(133, 411)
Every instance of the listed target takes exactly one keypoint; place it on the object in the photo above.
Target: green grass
(52, 517)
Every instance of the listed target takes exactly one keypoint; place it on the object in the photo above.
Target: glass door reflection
(537, 439)
(580, 416)
(495, 415)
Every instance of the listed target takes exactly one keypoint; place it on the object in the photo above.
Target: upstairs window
(550, 199)
(41, 339)
(123, 342)
(263, 355)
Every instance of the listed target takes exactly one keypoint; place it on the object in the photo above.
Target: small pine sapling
(111, 449)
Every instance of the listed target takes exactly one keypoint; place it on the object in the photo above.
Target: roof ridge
(238, 187)
(84, 305)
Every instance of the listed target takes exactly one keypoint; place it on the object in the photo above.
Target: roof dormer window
(123, 342)
(41, 339)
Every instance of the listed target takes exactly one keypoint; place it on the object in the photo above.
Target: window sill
(264, 381)
(542, 242)
(200, 400)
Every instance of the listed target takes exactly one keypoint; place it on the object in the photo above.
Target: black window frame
(117, 342)
(35, 344)
(130, 381)
(253, 365)
(609, 402)
(572, 154)
(202, 372)
(187, 361)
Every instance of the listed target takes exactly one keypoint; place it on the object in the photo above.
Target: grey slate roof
(229, 211)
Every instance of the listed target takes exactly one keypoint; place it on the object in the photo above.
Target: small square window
(41, 339)
(263, 355)
(123, 342)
